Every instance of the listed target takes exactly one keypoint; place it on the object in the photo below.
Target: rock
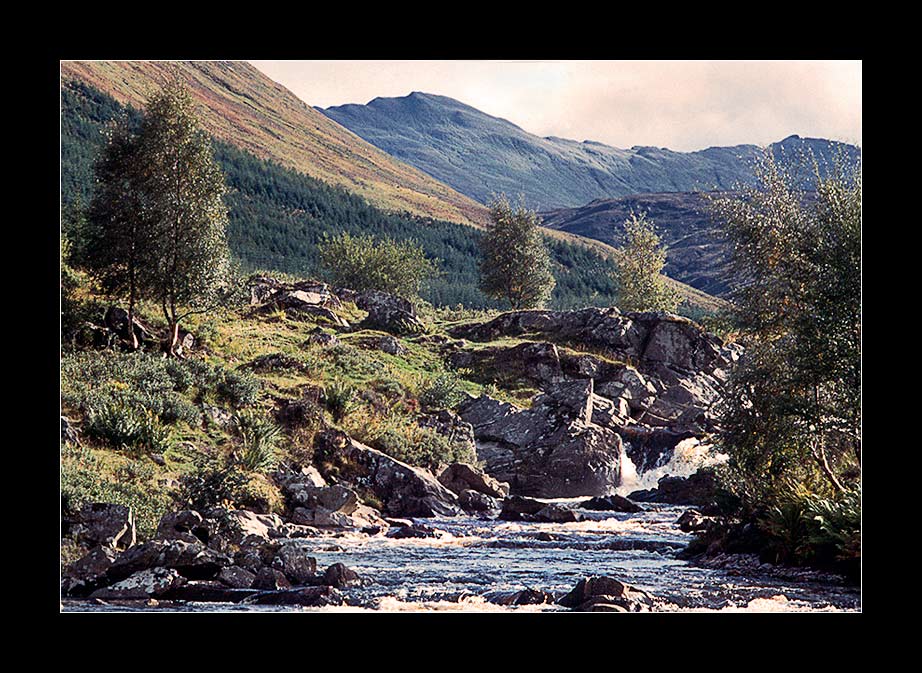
(474, 501)
(306, 597)
(248, 523)
(415, 530)
(551, 450)
(592, 591)
(361, 518)
(390, 345)
(339, 576)
(158, 459)
(612, 503)
(187, 525)
(403, 490)
(389, 313)
(693, 521)
(220, 417)
(448, 424)
(193, 560)
(116, 319)
(107, 524)
(515, 507)
(88, 572)
(336, 498)
(294, 531)
(554, 513)
(208, 591)
(275, 362)
(236, 577)
(320, 338)
(304, 297)
(142, 584)
(697, 490)
(270, 579)
(293, 560)
(460, 477)
(69, 433)
(523, 597)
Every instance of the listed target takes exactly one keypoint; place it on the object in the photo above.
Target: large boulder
(103, 523)
(591, 592)
(697, 490)
(611, 503)
(389, 312)
(402, 489)
(306, 297)
(460, 477)
(142, 584)
(552, 450)
(193, 560)
(88, 572)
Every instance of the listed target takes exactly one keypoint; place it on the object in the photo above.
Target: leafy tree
(113, 241)
(181, 191)
(792, 412)
(641, 285)
(515, 264)
(365, 263)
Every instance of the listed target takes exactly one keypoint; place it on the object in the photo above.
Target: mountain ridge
(479, 154)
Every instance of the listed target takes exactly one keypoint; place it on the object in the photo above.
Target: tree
(641, 285)
(365, 263)
(112, 241)
(515, 264)
(182, 190)
(792, 410)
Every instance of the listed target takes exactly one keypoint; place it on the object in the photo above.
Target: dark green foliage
(258, 441)
(213, 482)
(366, 263)
(422, 446)
(339, 398)
(442, 392)
(278, 216)
(126, 426)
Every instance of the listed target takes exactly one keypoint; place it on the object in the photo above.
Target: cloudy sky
(682, 105)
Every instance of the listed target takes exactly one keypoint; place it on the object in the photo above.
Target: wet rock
(107, 524)
(336, 498)
(294, 531)
(519, 508)
(404, 490)
(270, 579)
(415, 530)
(460, 477)
(193, 560)
(142, 584)
(592, 591)
(693, 521)
(236, 577)
(307, 597)
(523, 597)
(612, 503)
(474, 501)
(208, 591)
(699, 490)
(339, 575)
(389, 313)
(555, 513)
(295, 562)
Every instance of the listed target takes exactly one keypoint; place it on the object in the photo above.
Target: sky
(681, 105)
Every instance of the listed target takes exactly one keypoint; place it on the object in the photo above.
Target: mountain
(243, 107)
(696, 254)
(479, 155)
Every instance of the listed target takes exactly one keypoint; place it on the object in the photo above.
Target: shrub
(339, 398)
(212, 483)
(259, 439)
(442, 392)
(240, 389)
(128, 427)
(421, 446)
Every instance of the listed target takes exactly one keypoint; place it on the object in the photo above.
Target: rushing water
(475, 559)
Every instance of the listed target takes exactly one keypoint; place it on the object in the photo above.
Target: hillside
(479, 155)
(278, 215)
(696, 255)
(243, 107)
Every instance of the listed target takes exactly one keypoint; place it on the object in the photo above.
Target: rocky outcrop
(460, 477)
(698, 490)
(106, 524)
(606, 594)
(402, 489)
(389, 312)
(307, 297)
(551, 450)
(649, 383)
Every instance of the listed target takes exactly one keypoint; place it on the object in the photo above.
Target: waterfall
(686, 458)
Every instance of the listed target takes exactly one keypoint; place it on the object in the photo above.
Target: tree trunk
(819, 454)
(132, 337)
(173, 337)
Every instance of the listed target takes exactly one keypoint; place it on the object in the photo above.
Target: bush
(442, 392)
(128, 427)
(212, 483)
(339, 398)
(259, 439)
(421, 446)
(365, 263)
(239, 389)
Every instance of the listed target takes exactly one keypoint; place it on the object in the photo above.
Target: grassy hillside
(243, 107)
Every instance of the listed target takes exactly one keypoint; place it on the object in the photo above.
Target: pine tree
(515, 264)
(641, 285)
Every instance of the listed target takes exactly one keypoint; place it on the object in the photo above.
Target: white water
(688, 455)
